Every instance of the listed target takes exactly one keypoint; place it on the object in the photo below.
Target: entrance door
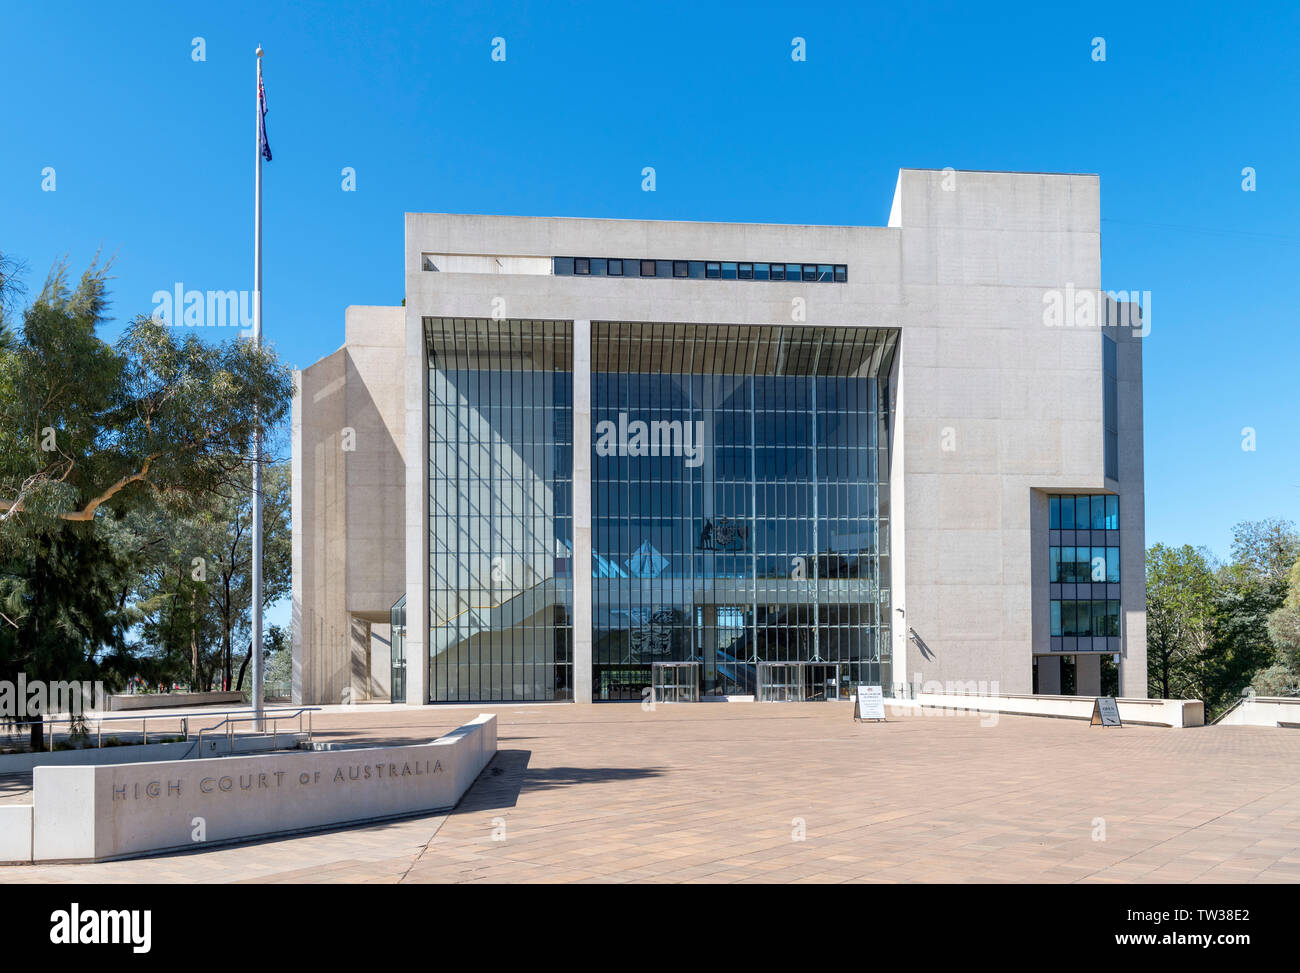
(675, 682)
(780, 682)
(823, 681)
(798, 682)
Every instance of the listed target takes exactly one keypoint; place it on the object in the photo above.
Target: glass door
(397, 684)
(675, 682)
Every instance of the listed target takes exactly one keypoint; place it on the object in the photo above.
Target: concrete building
(589, 457)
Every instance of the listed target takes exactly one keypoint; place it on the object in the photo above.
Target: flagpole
(256, 647)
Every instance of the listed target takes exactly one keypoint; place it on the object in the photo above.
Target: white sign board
(869, 703)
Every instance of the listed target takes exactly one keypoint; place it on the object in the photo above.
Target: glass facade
(1084, 572)
(740, 504)
(500, 509)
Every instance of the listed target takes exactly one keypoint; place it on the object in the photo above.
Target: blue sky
(153, 156)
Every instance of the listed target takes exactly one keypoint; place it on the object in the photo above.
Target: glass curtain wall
(500, 509)
(740, 503)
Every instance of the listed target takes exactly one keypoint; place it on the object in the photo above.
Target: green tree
(1253, 593)
(1282, 677)
(92, 433)
(232, 563)
(1180, 610)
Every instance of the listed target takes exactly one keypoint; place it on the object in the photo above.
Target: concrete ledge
(15, 833)
(100, 813)
(1283, 711)
(1150, 712)
(134, 701)
(215, 746)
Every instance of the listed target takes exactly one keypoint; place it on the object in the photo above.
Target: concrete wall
(1149, 712)
(349, 506)
(1000, 410)
(101, 813)
(1263, 711)
(134, 701)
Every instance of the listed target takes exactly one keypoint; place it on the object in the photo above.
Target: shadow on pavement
(507, 775)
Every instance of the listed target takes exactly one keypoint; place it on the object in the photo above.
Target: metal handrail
(230, 722)
(286, 712)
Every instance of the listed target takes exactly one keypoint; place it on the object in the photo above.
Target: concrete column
(582, 609)
(1049, 675)
(1087, 674)
(1132, 505)
(358, 687)
(297, 640)
(895, 621)
(417, 512)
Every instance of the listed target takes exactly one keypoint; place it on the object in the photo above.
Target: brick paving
(722, 793)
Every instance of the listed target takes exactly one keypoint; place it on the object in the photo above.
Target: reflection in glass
(740, 504)
(500, 509)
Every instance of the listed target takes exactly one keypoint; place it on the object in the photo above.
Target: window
(693, 269)
(1081, 603)
(1085, 512)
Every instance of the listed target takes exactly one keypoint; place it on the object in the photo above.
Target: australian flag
(261, 106)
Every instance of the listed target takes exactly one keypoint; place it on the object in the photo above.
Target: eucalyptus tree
(159, 424)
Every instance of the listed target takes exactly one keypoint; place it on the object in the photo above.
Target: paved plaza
(736, 792)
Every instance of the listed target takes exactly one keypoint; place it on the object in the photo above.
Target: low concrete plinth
(100, 813)
(15, 833)
(134, 701)
(1263, 711)
(1154, 712)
